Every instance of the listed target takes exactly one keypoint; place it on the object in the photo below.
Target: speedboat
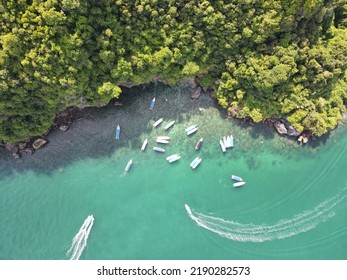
(169, 125)
(118, 132)
(151, 106)
(144, 145)
(236, 178)
(194, 164)
(158, 122)
(231, 141)
(190, 127)
(159, 150)
(239, 184)
(222, 145)
(173, 158)
(198, 145)
(195, 129)
(162, 141)
(130, 162)
(163, 137)
(225, 142)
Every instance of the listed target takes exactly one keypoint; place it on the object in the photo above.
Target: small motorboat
(173, 158)
(239, 184)
(236, 178)
(151, 106)
(162, 141)
(222, 145)
(144, 145)
(163, 137)
(170, 124)
(198, 145)
(159, 150)
(231, 141)
(190, 127)
(225, 142)
(194, 164)
(195, 129)
(130, 162)
(118, 132)
(158, 122)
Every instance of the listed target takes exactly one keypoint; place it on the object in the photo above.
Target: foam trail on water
(79, 242)
(260, 233)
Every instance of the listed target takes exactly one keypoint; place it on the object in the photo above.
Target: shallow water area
(293, 205)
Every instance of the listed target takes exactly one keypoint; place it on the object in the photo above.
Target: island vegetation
(263, 58)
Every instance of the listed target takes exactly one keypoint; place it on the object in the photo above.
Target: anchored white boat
(222, 145)
(130, 162)
(195, 129)
(194, 164)
(158, 122)
(190, 127)
(163, 137)
(159, 149)
(239, 184)
(225, 142)
(173, 158)
(144, 145)
(162, 141)
(170, 124)
(236, 178)
(198, 145)
(231, 141)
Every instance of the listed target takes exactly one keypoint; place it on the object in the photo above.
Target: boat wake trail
(79, 242)
(260, 233)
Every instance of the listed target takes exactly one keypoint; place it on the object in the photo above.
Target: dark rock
(29, 151)
(344, 117)
(117, 103)
(12, 148)
(16, 155)
(63, 127)
(196, 93)
(291, 131)
(280, 127)
(38, 143)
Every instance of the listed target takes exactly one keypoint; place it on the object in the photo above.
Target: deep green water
(293, 205)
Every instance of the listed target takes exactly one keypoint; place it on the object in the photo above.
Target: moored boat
(194, 164)
(163, 137)
(144, 145)
(236, 178)
(151, 106)
(195, 129)
(231, 141)
(170, 124)
(173, 158)
(158, 122)
(130, 162)
(239, 184)
(162, 141)
(222, 145)
(159, 149)
(198, 145)
(190, 127)
(225, 142)
(118, 131)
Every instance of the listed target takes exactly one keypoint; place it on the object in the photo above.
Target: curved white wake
(260, 233)
(79, 242)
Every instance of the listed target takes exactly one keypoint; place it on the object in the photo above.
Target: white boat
(195, 129)
(159, 150)
(222, 145)
(130, 162)
(173, 158)
(163, 137)
(144, 145)
(198, 145)
(225, 142)
(169, 125)
(158, 122)
(231, 141)
(239, 184)
(190, 127)
(228, 142)
(236, 178)
(194, 164)
(162, 141)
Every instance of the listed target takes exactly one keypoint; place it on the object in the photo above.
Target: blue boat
(236, 178)
(118, 132)
(151, 106)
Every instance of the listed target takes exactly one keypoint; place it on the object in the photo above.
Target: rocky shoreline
(64, 119)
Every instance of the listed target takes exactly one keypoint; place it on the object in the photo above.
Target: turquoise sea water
(293, 205)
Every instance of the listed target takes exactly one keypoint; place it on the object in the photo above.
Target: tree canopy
(285, 58)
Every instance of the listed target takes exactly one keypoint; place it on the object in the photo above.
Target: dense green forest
(284, 58)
